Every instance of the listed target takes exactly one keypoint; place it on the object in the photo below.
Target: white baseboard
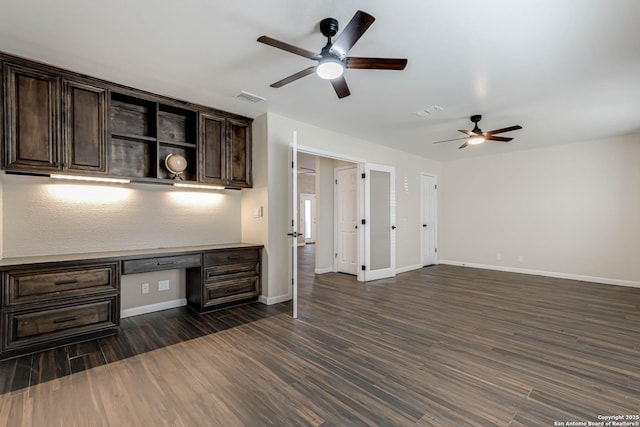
(136, 311)
(274, 300)
(324, 270)
(605, 280)
(301, 243)
(408, 268)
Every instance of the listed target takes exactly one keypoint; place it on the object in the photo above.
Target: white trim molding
(408, 268)
(604, 280)
(274, 300)
(136, 311)
(324, 270)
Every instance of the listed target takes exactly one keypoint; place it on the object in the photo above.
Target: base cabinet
(53, 305)
(226, 278)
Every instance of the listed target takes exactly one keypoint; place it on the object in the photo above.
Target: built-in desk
(54, 300)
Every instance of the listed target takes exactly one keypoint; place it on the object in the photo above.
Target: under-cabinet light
(91, 178)
(198, 186)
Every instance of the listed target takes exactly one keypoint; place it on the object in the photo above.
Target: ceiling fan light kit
(333, 59)
(329, 69)
(475, 140)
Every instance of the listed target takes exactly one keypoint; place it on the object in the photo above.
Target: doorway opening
(328, 195)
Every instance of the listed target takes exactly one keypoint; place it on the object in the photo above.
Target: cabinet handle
(165, 263)
(65, 282)
(65, 319)
(257, 268)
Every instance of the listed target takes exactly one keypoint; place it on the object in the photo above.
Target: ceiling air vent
(250, 97)
(426, 112)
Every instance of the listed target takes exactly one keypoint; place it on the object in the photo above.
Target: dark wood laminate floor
(441, 346)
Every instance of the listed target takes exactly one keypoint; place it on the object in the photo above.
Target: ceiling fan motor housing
(329, 27)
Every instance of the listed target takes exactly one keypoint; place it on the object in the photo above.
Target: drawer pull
(234, 258)
(65, 282)
(65, 319)
(165, 263)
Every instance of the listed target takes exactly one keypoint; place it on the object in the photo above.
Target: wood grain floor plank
(438, 346)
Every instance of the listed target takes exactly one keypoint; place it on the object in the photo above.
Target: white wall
(572, 209)
(408, 169)
(255, 230)
(43, 216)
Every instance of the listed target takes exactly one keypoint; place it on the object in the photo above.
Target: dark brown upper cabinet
(32, 119)
(239, 153)
(85, 127)
(225, 150)
(61, 121)
(213, 149)
(53, 124)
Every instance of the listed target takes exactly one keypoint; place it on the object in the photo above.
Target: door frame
(336, 216)
(360, 162)
(435, 179)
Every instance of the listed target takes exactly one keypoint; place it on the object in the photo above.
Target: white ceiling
(566, 70)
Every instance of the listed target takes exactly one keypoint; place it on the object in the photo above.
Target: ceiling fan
(333, 59)
(477, 136)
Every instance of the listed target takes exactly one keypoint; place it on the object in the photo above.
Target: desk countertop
(125, 254)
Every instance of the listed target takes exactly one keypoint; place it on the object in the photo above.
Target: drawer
(234, 256)
(33, 327)
(231, 290)
(160, 263)
(248, 268)
(50, 284)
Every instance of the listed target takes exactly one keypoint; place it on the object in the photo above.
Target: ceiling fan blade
(498, 138)
(376, 63)
(448, 140)
(467, 132)
(509, 129)
(288, 47)
(340, 86)
(463, 145)
(294, 77)
(352, 32)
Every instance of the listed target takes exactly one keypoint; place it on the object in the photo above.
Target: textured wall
(43, 216)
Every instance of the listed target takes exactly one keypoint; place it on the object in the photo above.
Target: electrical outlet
(163, 285)
(145, 288)
(520, 258)
(498, 257)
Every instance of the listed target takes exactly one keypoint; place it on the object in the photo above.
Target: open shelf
(133, 158)
(144, 133)
(133, 116)
(177, 125)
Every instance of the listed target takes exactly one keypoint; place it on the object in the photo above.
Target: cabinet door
(239, 154)
(32, 112)
(212, 149)
(85, 127)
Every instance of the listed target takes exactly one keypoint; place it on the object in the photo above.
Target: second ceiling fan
(333, 59)
(477, 136)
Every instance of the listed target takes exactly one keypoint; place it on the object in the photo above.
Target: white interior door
(429, 216)
(346, 191)
(380, 217)
(293, 215)
(308, 217)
